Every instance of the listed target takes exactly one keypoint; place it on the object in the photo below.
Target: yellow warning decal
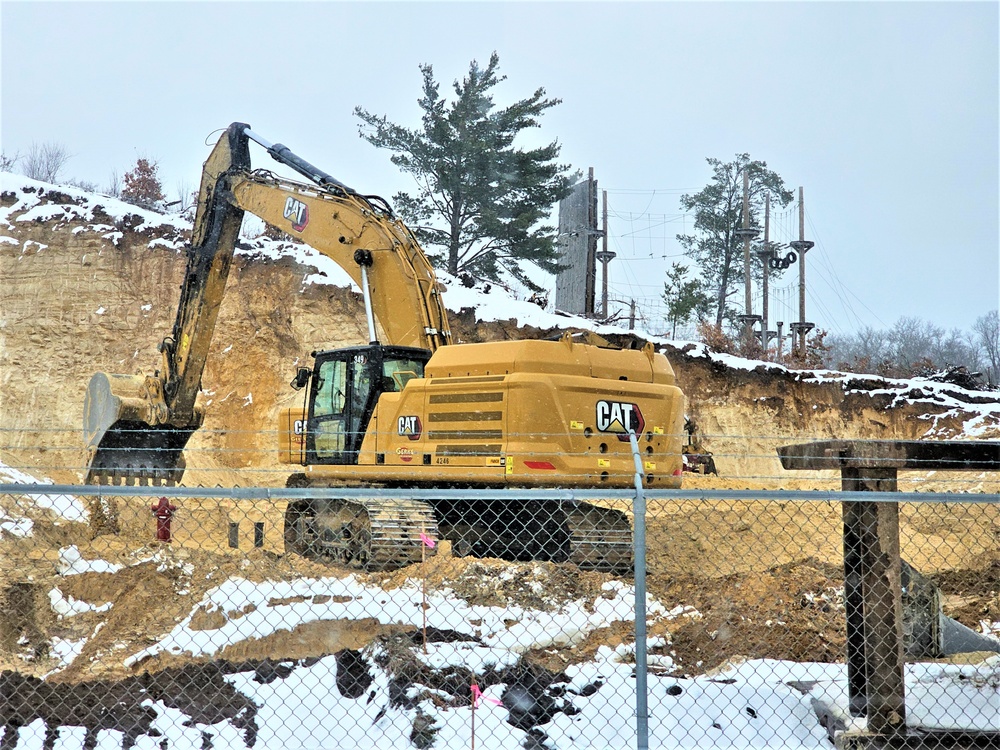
(650, 465)
(604, 463)
(657, 430)
(575, 425)
(510, 465)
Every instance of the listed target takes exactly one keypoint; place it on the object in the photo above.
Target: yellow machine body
(523, 413)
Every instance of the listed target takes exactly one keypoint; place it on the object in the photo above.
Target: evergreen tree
(718, 213)
(142, 185)
(481, 200)
(684, 297)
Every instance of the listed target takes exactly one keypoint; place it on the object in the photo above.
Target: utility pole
(588, 310)
(801, 246)
(748, 319)
(765, 258)
(604, 255)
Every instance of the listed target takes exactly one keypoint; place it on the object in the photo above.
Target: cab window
(399, 372)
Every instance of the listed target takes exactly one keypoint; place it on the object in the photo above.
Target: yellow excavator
(409, 410)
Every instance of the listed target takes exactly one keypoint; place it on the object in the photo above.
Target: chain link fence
(231, 618)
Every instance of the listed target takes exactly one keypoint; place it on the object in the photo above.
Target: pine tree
(718, 213)
(481, 199)
(685, 298)
(142, 185)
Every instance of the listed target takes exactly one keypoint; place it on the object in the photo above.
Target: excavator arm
(376, 250)
(136, 426)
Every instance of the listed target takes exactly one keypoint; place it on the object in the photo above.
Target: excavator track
(599, 538)
(589, 536)
(372, 534)
(385, 533)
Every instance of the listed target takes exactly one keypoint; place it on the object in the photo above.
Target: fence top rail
(706, 495)
(927, 455)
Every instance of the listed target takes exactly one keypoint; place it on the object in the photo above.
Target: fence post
(639, 561)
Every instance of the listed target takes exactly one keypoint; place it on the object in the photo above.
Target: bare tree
(911, 347)
(865, 351)
(952, 348)
(9, 161)
(252, 227)
(912, 342)
(44, 162)
(90, 187)
(114, 188)
(186, 197)
(986, 330)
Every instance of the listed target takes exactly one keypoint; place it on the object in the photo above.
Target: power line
(639, 238)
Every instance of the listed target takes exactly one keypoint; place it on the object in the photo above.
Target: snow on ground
(14, 526)
(65, 507)
(758, 703)
(251, 611)
(980, 418)
(755, 704)
(84, 208)
(67, 606)
(71, 562)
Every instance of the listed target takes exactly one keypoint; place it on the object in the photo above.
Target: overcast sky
(886, 113)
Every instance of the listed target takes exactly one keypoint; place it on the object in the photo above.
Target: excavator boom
(137, 426)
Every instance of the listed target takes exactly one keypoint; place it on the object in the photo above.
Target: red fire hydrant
(164, 511)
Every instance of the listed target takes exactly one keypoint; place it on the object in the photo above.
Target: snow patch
(71, 562)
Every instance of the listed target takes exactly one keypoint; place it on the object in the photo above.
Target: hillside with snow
(92, 286)
(198, 645)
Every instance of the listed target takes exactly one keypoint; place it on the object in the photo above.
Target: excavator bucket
(122, 426)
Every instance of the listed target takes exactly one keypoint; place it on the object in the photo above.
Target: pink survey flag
(427, 540)
(477, 695)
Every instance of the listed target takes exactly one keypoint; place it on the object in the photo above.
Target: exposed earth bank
(88, 289)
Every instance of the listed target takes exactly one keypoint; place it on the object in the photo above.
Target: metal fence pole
(639, 560)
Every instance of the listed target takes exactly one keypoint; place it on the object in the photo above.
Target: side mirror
(301, 378)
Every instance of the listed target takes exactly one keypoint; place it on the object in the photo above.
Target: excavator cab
(345, 386)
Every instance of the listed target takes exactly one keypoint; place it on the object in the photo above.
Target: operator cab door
(346, 385)
(340, 392)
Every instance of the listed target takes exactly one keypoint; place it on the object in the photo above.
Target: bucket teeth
(136, 454)
(133, 476)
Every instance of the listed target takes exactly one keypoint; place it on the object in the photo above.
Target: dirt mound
(496, 583)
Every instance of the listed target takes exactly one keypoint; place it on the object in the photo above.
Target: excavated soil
(760, 579)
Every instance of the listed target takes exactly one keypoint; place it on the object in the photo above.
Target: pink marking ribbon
(428, 542)
(477, 695)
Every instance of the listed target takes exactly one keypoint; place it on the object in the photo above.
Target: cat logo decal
(619, 417)
(296, 212)
(409, 426)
